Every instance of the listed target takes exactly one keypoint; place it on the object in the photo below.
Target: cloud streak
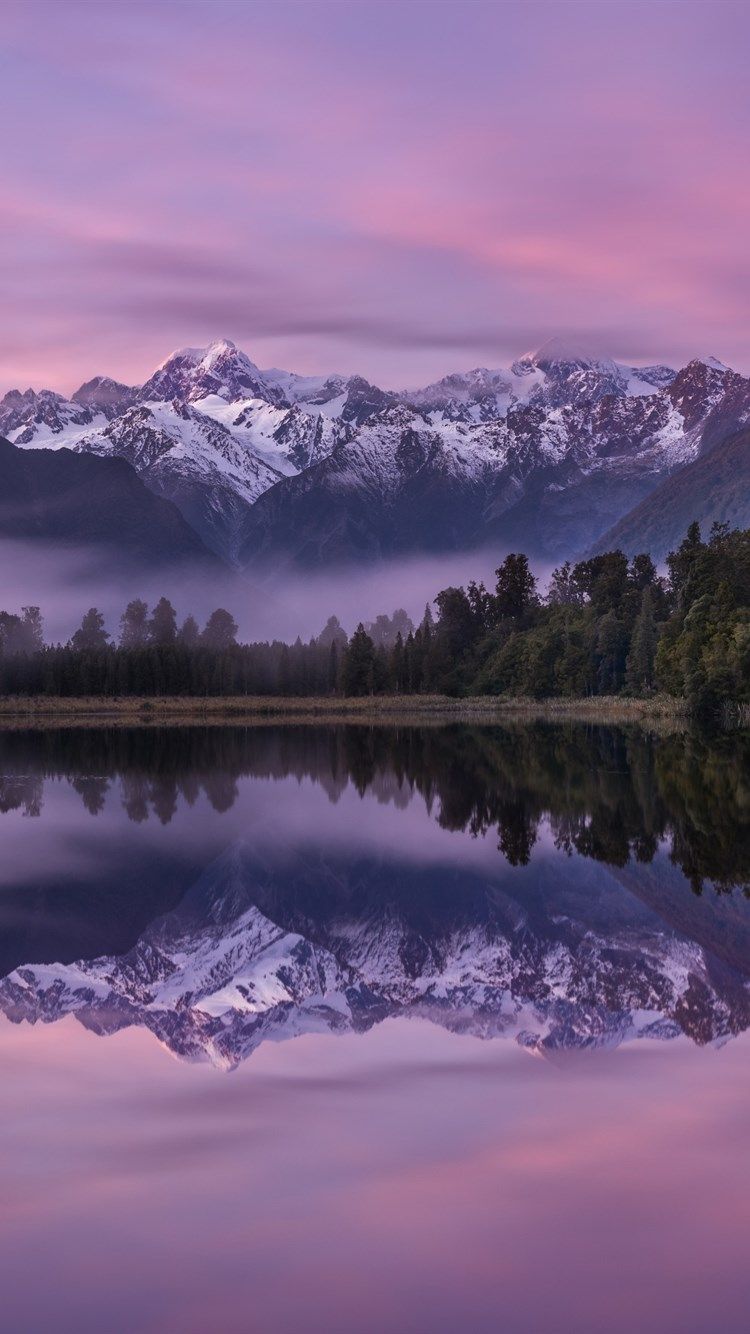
(393, 193)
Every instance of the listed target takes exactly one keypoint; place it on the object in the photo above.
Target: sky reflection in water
(387, 1168)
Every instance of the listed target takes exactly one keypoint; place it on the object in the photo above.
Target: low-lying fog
(265, 605)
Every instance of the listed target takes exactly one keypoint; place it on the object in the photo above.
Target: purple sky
(395, 189)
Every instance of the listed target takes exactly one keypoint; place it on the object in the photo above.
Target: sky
(396, 190)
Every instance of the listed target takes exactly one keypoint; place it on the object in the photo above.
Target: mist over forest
(281, 604)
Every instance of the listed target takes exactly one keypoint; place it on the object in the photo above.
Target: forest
(605, 625)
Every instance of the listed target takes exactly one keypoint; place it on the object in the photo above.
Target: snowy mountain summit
(219, 369)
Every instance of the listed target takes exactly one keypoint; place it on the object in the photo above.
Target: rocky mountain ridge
(273, 466)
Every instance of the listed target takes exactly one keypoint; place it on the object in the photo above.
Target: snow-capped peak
(559, 351)
(219, 369)
(44, 419)
(103, 394)
(189, 355)
(218, 348)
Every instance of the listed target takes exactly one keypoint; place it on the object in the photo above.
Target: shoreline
(135, 711)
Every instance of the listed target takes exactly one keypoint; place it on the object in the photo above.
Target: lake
(358, 1028)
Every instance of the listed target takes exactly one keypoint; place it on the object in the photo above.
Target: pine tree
(189, 633)
(91, 634)
(163, 624)
(221, 630)
(639, 671)
(358, 672)
(515, 591)
(134, 630)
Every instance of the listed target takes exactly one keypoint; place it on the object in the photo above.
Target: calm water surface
(352, 1029)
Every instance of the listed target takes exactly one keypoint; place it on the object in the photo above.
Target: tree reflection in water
(611, 794)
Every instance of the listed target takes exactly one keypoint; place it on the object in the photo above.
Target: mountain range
(561, 453)
(256, 953)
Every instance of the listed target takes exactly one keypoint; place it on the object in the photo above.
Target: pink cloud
(397, 186)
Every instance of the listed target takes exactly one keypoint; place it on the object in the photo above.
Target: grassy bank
(18, 711)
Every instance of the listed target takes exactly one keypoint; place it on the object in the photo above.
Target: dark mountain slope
(78, 500)
(715, 487)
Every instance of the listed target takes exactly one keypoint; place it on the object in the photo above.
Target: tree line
(606, 625)
(154, 654)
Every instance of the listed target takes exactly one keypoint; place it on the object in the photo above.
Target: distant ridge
(270, 467)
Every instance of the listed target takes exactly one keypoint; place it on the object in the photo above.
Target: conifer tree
(189, 633)
(333, 667)
(221, 630)
(515, 591)
(358, 672)
(163, 624)
(134, 629)
(639, 675)
(91, 634)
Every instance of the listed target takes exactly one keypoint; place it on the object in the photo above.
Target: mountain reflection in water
(565, 887)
